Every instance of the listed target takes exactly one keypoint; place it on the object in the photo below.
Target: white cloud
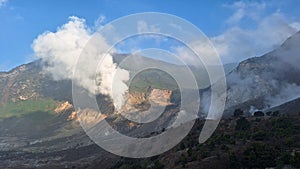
(61, 50)
(204, 50)
(240, 13)
(142, 26)
(3, 2)
(99, 22)
(147, 35)
(295, 25)
(244, 9)
(236, 43)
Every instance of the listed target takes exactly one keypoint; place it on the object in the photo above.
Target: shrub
(259, 114)
(238, 113)
(260, 135)
(260, 156)
(242, 124)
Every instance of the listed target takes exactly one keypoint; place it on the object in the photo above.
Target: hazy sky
(254, 26)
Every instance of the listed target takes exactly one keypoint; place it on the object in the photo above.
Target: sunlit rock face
(66, 107)
(89, 118)
(160, 97)
(142, 101)
(145, 107)
(63, 107)
(136, 98)
(137, 103)
(72, 116)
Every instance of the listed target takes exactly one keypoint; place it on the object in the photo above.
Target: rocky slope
(46, 132)
(52, 137)
(266, 81)
(29, 82)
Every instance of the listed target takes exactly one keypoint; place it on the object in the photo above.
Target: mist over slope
(267, 81)
(261, 82)
(53, 137)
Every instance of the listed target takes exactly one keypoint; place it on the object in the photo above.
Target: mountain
(40, 129)
(29, 81)
(264, 133)
(267, 81)
(38, 122)
(126, 61)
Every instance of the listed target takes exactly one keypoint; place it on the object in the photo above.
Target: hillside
(29, 82)
(266, 81)
(159, 78)
(239, 142)
(39, 127)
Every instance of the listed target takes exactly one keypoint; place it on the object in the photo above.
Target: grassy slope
(155, 78)
(21, 108)
(160, 79)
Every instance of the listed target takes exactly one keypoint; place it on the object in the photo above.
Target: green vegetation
(21, 108)
(137, 164)
(242, 124)
(259, 114)
(240, 142)
(153, 78)
(238, 113)
(260, 155)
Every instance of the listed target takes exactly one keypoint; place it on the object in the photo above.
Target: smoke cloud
(286, 93)
(266, 81)
(272, 78)
(60, 51)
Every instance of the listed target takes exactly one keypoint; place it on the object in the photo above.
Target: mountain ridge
(43, 139)
(266, 78)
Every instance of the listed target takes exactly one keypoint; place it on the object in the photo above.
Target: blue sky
(22, 21)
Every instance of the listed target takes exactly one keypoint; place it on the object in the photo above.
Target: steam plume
(60, 51)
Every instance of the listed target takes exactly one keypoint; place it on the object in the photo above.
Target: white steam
(111, 81)
(286, 93)
(272, 78)
(60, 51)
